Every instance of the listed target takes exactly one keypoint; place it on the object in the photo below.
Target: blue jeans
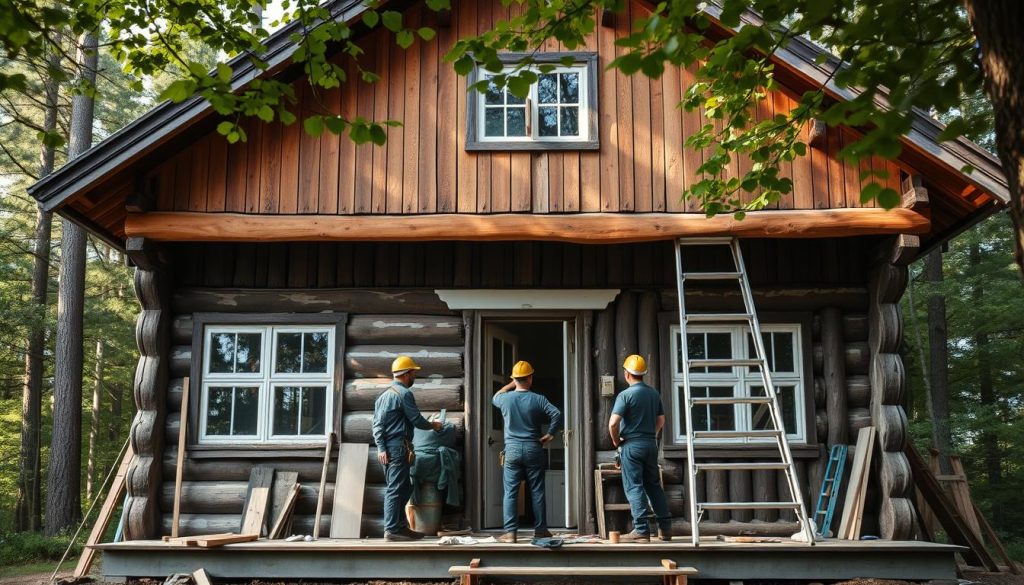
(641, 480)
(398, 491)
(524, 461)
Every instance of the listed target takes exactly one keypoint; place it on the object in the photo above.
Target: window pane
(513, 100)
(516, 121)
(696, 349)
(496, 368)
(246, 411)
(314, 411)
(570, 121)
(760, 417)
(548, 121)
(218, 410)
(286, 410)
(719, 347)
(222, 353)
(315, 352)
(709, 418)
(509, 360)
(494, 122)
(247, 354)
(493, 94)
(783, 352)
(570, 87)
(289, 348)
(679, 352)
(547, 89)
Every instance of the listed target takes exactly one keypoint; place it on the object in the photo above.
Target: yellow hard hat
(402, 364)
(522, 369)
(635, 365)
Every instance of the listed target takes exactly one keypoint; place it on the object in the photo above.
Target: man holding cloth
(637, 419)
(395, 415)
(524, 413)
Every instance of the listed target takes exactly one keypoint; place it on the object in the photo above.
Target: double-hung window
(783, 347)
(559, 111)
(267, 384)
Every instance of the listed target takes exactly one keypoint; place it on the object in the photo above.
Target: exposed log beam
(582, 228)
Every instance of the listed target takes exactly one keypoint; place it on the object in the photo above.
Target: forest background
(978, 284)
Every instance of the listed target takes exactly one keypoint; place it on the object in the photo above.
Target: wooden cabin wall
(642, 164)
(385, 283)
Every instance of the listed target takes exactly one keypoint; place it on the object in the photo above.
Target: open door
(501, 352)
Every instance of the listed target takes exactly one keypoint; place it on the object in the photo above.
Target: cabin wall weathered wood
(642, 164)
(387, 291)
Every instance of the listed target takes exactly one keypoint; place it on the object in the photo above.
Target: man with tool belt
(524, 413)
(395, 414)
(637, 419)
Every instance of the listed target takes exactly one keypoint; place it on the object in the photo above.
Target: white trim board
(492, 299)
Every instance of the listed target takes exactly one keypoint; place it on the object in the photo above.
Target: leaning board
(349, 484)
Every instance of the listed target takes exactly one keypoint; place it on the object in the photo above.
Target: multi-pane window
(783, 352)
(558, 112)
(266, 384)
(553, 110)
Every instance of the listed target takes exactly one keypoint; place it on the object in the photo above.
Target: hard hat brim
(636, 372)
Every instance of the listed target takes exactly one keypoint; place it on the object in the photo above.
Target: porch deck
(373, 558)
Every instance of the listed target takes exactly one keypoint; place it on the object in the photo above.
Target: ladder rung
(720, 363)
(738, 465)
(712, 275)
(715, 317)
(616, 507)
(704, 241)
(730, 400)
(748, 506)
(735, 434)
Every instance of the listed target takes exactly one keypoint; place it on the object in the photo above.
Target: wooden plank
(217, 183)
(199, 190)
(257, 500)
(577, 228)
(182, 434)
(624, 124)
(380, 170)
(270, 173)
(201, 577)
(117, 489)
(282, 519)
(994, 540)
(466, 190)
(858, 478)
(607, 129)
(292, 150)
(237, 167)
(323, 486)
(215, 540)
(254, 164)
(962, 495)
(346, 517)
(429, 135)
(448, 150)
(325, 199)
(347, 163)
(862, 490)
(412, 127)
(284, 481)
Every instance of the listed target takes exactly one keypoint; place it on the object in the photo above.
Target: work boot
(403, 535)
(542, 534)
(507, 538)
(665, 534)
(635, 537)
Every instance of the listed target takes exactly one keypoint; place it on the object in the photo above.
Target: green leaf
(377, 135)
(223, 72)
(870, 192)
(405, 39)
(953, 130)
(314, 126)
(426, 33)
(225, 127)
(265, 113)
(888, 198)
(439, 5)
(179, 91)
(392, 20)
(464, 65)
(371, 18)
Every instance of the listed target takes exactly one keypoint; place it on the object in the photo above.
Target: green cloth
(639, 406)
(438, 462)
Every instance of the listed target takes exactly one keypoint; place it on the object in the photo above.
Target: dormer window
(559, 113)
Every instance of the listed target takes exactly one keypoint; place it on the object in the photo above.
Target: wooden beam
(180, 467)
(915, 195)
(114, 496)
(581, 228)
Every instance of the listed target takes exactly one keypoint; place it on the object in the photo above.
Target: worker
(637, 419)
(395, 415)
(524, 413)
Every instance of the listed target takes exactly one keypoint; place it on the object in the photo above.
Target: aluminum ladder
(749, 320)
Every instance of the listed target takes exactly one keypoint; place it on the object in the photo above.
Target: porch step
(740, 465)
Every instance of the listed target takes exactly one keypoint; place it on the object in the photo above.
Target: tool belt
(410, 454)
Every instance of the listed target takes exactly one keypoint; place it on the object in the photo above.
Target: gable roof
(799, 61)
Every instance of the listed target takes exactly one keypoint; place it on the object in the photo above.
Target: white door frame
(477, 400)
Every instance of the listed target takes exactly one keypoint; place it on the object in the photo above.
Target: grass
(36, 567)
(23, 553)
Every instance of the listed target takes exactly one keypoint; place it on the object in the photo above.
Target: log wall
(214, 485)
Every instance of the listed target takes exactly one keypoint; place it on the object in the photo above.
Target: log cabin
(281, 275)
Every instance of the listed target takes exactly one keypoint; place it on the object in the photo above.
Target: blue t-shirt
(524, 413)
(639, 406)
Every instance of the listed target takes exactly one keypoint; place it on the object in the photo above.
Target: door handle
(490, 441)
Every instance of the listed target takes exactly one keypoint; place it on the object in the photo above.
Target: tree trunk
(996, 25)
(94, 427)
(63, 495)
(986, 394)
(938, 360)
(28, 509)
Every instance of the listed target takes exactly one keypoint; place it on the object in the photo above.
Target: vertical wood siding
(642, 164)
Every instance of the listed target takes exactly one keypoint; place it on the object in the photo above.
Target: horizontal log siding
(642, 164)
(213, 490)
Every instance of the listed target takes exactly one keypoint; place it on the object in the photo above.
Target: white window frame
(741, 379)
(533, 106)
(266, 380)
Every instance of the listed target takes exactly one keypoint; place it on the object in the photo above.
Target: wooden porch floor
(374, 558)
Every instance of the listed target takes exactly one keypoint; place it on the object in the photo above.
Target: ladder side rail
(691, 472)
(840, 467)
(769, 386)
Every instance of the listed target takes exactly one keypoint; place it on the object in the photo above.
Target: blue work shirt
(395, 415)
(639, 406)
(524, 413)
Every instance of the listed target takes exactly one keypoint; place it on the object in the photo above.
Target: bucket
(425, 515)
